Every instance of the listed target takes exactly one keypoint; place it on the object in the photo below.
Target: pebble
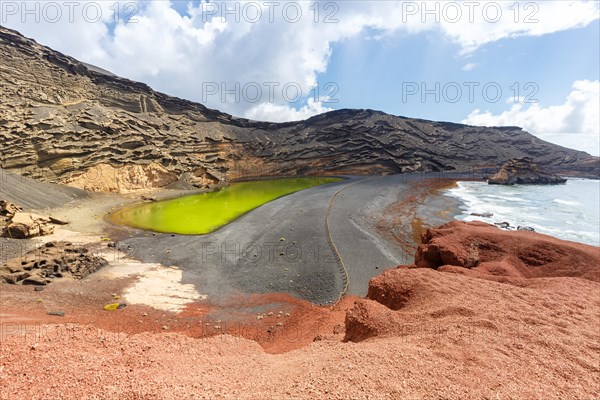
(57, 313)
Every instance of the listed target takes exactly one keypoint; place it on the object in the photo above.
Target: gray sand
(248, 255)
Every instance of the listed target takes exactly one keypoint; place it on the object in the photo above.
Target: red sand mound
(418, 294)
(487, 250)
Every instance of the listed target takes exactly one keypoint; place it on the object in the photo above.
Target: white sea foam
(570, 211)
(567, 202)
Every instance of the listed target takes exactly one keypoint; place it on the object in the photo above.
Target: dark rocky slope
(60, 118)
(523, 171)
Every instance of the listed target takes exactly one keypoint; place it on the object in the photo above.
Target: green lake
(203, 213)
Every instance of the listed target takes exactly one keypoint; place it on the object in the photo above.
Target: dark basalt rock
(53, 261)
(523, 171)
(60, 118)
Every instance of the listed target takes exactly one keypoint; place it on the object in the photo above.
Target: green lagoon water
(203, 213)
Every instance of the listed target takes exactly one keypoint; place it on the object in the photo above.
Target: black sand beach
(282, 246)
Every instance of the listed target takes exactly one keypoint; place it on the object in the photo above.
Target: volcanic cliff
(65, 121)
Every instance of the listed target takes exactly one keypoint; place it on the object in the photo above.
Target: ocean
(570, 211)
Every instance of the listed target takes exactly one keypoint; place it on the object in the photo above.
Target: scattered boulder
(25, 225)
(502, 225)
(57, 221)
(22, 225)
(523, 171)
(37, 280)
(525, 228)
(8, 209)
(483, 215)
(52, 261)
(57, 313)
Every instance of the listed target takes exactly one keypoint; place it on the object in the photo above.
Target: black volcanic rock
(67, 122)
(523, 171)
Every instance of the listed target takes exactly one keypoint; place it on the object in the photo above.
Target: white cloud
(469, 66)
(574, 124)
(281, 113)
(184, 54)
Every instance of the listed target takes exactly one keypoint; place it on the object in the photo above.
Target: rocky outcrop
(414, 302)
(107, 178)
(523, 171)
(26, 225)
(61, 120)
(21, 225)
(485, 250)
(53, 261)
(8, 209)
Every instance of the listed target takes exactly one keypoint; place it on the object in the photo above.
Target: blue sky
(372, 73)
(373, 52)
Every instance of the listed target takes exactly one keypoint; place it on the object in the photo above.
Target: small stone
(165, 327)
(34, 280)
(144, 314)
(57, 313)
(280, 324)
(270, 313)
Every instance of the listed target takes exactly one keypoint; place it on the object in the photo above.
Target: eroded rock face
(523, 171)
(8, 209)
(438, 290)
(54, 260)
(107, 178)
(62, 121)
(26, 225)
(484, 249)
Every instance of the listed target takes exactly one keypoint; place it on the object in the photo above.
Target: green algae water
(203, 213)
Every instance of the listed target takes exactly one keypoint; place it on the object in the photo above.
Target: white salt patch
(161, 288)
